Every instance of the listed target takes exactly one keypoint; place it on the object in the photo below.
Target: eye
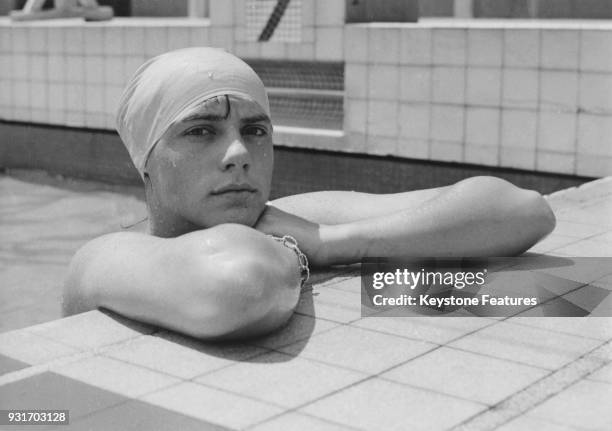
(198, 131)
(255, 131)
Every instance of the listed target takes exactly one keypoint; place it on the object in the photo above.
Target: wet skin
(214, 166)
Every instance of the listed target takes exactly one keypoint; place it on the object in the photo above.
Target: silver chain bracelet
(291, 243)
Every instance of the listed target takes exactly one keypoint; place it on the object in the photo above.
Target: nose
(236, 155)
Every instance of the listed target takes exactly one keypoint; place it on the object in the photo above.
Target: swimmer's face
(214, 166)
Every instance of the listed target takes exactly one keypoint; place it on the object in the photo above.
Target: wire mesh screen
(306, 111)
(300, 74)
(287, 26)
(303, 94)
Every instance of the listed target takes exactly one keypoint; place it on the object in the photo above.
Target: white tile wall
(447, 123)
(180, 37)
(355, 142)
(356, 80)
(274, 50)
(595, 134)
(413, 148)
(518, 158)
(521, 48)
(355, 44)
(448, 84)
(483, 86)
(114, 41)
(199, 36)
(416, 46)
(329, 12)
(560, 49)
(381, 145)
(38, 39)
(114, 70)
(485, 47)
(355, 115)
(6, 39)
(6, 93)
(221, 37)
(56, 67)
(20, 66)
(477, 95)
(558, 91)
(38, 95)
(414, 121)
(305, 52)
(250, 50)
(415, 83)
(57, 95)
(596, 51)
(75, 67)
(596, 93)
(520, 88)
(446, 151)
(329, 43)
(383, 81)
(20, 42)
(482, 126)
(555, 162)
(449, 46)
(156, 40)
(221, 12)
(38, 67)
(383, 118)
(21, 92)
(557, 132)
(94, 69)
(384, 46)
(519, 129)
(134, 40)
(94, 40)
(308, 14)
(94, 96)
(481, 155)
(74, 40)
(55, 40)
(596, 166)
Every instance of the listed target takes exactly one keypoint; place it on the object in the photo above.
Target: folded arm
(480, 216)
(225, 282)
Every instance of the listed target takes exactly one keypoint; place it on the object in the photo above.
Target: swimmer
(214, 264)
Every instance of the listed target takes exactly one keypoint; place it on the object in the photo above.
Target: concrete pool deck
(328, 369)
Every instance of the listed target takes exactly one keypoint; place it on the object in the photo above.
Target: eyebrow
(214, 117)
(205, 117)
(255, 119)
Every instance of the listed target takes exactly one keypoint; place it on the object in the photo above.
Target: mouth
(234, 189)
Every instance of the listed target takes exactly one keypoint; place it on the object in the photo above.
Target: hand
(274, 221)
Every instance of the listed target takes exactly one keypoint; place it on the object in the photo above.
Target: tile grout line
(34, 370)
(538, 392)
(377, 375)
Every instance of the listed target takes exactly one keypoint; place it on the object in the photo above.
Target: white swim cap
(167, 87)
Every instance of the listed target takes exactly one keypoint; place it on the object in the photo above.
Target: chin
(247, 217)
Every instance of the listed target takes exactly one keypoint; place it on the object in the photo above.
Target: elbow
(535, 220)
(527, 213)
(522, 217)
(77, 295)
(542, 215)
(255, 299)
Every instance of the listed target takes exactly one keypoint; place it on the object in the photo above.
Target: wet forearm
(205, 284)
(473, 218)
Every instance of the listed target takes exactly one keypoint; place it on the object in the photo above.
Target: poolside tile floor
(330, 368)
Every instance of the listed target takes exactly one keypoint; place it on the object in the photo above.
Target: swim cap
(168, 86)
